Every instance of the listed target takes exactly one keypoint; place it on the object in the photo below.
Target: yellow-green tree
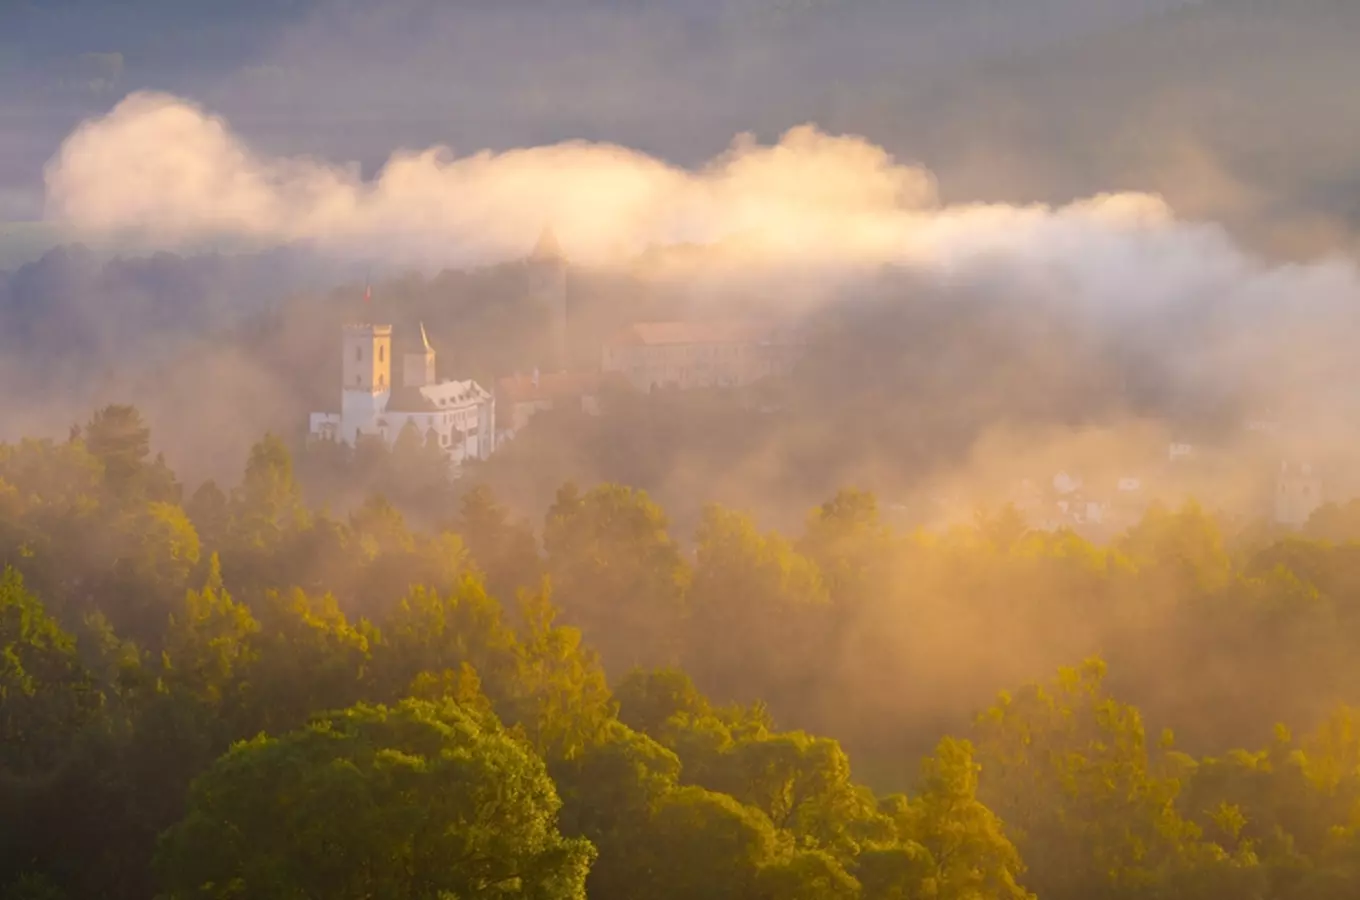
(617, 574)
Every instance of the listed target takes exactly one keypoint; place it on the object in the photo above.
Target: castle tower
(1298, 494)
(548, 289)
(367, 377)
(418, 363)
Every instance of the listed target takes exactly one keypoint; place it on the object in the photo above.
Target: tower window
(359, 380)
(381, 355)
(358, 354)
(381, 381)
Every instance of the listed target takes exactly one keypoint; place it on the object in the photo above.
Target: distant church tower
(418, 363)
(367, 373)
(548, 289)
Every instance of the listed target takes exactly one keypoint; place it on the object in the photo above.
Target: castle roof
(407, 399)
(454, 393)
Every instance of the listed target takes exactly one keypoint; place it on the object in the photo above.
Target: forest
(234, 694)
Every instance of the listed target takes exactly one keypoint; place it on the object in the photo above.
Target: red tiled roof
(551, 385)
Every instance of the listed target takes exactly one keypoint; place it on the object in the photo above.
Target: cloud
(168, 171)
(164, 169)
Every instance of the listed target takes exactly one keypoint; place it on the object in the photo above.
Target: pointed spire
(547, 249)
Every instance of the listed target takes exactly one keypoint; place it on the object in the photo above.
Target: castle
(459, 416)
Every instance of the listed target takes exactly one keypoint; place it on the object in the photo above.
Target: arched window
(381, 355)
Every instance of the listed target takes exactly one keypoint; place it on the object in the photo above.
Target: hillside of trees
(232, 694)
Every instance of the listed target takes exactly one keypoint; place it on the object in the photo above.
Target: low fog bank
(935, 333)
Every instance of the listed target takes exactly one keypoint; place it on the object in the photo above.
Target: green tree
(420, 800)
(1092, 811)
(210, 511)
(305, 657)
(806, 875)
(563, 699)
(610, 792)
(433, 632)
(209, 645)
(707, 846)
(1182, 552)
(966, 851)
(268, 505)
(801, 783)
(1338, 522)
(505, 551)
(47, 697)
(416, 472)
(747, 584)
(118, 437)
(850, 544)
(617, 573)
(648, 700)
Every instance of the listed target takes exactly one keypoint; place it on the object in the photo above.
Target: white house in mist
(460, 416)
(1298, 494)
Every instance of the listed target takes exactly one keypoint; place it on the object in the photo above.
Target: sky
(351, 81)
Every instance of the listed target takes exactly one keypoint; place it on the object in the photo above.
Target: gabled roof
(409, 399)
(455, 392)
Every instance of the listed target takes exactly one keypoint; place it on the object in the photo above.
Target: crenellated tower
(367, 375)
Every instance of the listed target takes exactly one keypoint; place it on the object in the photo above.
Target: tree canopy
(243, 695)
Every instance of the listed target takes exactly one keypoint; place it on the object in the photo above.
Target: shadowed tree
(46, 695)
(617, 573)
(118, 437)
(504, 551)
(420, 800)
(749, 583)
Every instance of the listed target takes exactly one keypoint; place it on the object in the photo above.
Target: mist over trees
(899, 378)
(235, 692)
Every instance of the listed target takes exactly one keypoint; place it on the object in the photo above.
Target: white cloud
(163, 168)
